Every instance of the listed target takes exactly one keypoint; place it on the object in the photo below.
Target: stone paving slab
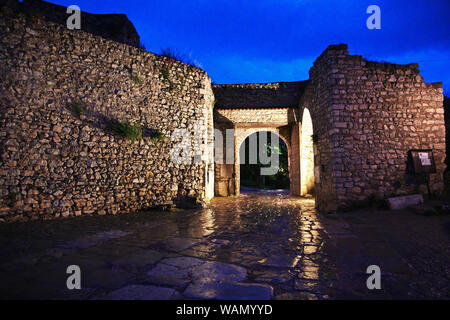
(228, 291)
(248, 247)
(141, 292)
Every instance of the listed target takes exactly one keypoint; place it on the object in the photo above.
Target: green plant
(137, 79)
(78, 108)
(134, 76)
(166, 74)
(157, 136)
(142, 46)
(173, 55)
(127, 130)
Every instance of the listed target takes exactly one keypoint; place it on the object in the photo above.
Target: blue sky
(238, 41)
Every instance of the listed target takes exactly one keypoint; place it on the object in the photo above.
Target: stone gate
(251, 108)
(348, 129)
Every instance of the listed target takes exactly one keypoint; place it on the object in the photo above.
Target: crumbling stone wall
(116, 27)
(59, 158)
(367, 116)
(259, 95)
(447, 129)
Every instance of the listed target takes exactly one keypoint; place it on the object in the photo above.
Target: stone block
(402, 202)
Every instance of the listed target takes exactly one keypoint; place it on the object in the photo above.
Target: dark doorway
(250, 169)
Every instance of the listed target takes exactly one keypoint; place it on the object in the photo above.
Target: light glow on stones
(307, 155)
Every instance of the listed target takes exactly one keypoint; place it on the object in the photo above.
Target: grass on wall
(157, 136)
(172, 54)
(134, 76)
(127, 130)
(78, 108)
(137, 79)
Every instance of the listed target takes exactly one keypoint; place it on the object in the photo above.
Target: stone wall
(447, 144)
(367, 116)
(259, 95)
(60, 93)
(317, 98)
(253, 117)
(115, 27)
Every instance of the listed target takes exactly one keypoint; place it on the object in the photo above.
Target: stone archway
(241, 134)
(241, 123)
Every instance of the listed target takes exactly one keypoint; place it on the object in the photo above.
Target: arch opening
(307, 155)
(252, 173)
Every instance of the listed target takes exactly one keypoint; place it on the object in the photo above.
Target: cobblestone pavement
(263, 245)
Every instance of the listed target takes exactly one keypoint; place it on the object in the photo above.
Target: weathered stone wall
(58, 161)
(277, 117)
(447, 129)
(115, 27)
(317, 98)
(259, 95)
(367, 116)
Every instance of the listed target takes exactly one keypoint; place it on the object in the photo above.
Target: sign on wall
(423, 161)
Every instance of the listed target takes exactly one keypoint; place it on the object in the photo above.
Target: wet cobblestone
(257, 246)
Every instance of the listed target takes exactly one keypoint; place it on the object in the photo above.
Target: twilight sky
(238, 41)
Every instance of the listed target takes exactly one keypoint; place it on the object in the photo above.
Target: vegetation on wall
(78, 108)
(174, 55)
(131, 131)
(142, 46)
(157, 136)
(137, 79)
(134, 76)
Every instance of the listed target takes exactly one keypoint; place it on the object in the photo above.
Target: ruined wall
(116, 27)
(367, 116)
(317, 98)
(447, 146)
(259, 95)
(62, 159)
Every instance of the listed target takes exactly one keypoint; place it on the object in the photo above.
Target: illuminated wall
(307, 155)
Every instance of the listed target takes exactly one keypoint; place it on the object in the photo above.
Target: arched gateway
(349, 129)
(242, 110)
